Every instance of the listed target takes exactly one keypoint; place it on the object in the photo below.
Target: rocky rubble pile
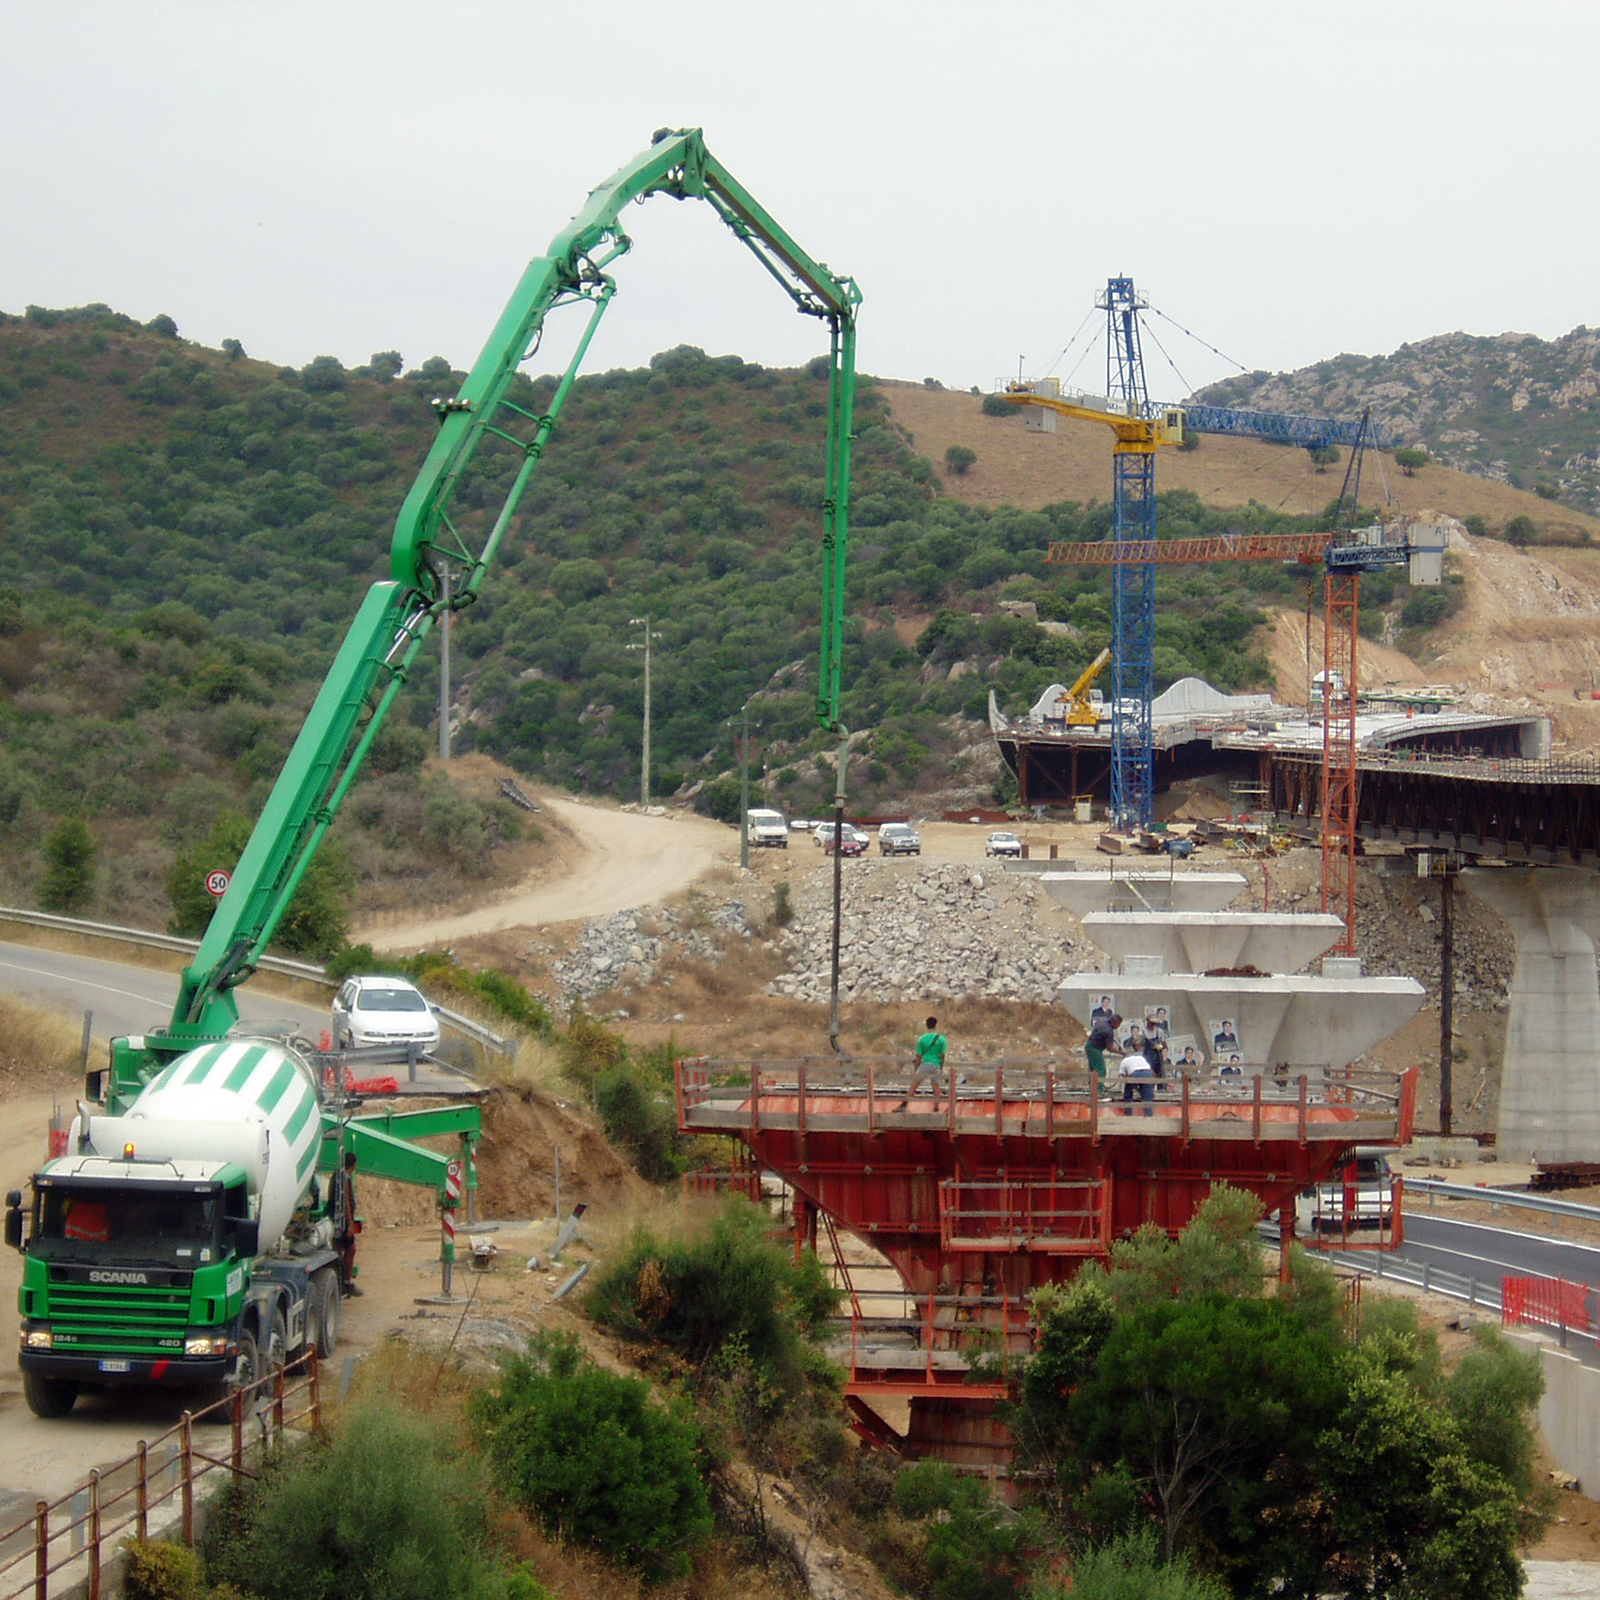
(626, 947)
(930, 931)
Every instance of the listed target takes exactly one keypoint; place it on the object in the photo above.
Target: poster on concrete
(1103, 1011)
(1224, 1039)
(1186, 1054)
(1158, 1022)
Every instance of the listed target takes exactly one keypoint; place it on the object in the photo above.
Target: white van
(768, 828)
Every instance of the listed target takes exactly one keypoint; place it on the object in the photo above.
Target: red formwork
(1026, 1170)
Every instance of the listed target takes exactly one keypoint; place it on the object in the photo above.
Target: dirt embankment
(609, 860)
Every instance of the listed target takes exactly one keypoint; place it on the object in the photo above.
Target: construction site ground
(715, 1007)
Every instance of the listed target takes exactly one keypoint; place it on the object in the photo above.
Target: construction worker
(346, 1225)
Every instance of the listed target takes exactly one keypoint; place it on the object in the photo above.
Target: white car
(1002, 844)
(1366, 1184)
(383, 1011)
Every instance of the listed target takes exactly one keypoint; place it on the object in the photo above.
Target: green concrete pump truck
(183, 1237)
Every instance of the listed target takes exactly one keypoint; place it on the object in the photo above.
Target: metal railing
(1046, 1099)
(1494, 1198)
(69, 1542)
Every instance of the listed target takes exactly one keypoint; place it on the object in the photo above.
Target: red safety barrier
(1546, 1303)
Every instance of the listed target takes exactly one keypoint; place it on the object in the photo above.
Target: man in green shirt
(931, 1048)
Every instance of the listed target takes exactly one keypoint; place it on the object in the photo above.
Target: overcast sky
(1288, 181)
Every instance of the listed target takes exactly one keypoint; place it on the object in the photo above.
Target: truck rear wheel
(326, 1302)
(49, 1397)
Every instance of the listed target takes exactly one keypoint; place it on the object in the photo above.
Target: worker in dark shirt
(1102, 1037)
(345, 1223)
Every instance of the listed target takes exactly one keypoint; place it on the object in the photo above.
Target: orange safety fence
(1547, 1303)
(67, 1545)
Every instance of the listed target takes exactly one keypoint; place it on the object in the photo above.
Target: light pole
(744, 788)
(644, 644)
(444, 666)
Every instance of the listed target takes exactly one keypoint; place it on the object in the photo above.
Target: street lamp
(644, 644)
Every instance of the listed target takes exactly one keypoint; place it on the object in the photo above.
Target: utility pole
(744, 787)
(444, 666)
(644, 770)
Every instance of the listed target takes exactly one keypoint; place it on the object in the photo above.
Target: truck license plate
(113, 1366)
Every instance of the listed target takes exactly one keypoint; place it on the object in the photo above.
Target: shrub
(390, 1509)
(958, 459)
(69, 866)
(782, 906)
(733, 1281)
(1131, 1568)
(159, 1570)
(595, 1460)
(638, 1121)
(996, 405)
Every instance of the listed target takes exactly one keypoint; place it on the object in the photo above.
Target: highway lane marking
(1489, 1227)
(76, 983)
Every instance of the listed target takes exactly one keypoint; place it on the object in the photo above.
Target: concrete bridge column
(1550, 1080)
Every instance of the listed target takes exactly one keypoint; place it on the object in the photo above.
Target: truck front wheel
(49, 1397)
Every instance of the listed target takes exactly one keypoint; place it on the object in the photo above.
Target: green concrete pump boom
(435, 568)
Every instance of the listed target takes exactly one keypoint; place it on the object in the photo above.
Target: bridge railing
(67, 1544)
(1033, 1097)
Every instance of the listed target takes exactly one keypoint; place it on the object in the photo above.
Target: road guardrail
(307, 970)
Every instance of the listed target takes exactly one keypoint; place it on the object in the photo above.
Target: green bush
(973, 1549)
(1131, 1568)
(388, 1509)
(592, 1456)
(69, 855)
(158, 1570)
(731, 1282)
(639, 1121)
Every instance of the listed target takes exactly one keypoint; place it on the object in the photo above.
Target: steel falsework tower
(1133, 586)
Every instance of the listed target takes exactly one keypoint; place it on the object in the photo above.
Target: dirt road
(617, 860)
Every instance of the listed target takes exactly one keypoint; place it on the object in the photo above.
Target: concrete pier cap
(1201, 941)
(1550, 1077)
(1301, 1020)
(1083, 892)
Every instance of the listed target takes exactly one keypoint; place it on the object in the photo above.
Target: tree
(958, 458)
(1521, 531)
(232, 349)
(163, 325)
(595, 1459)
(323, 375)
(1324, 456)
(69, 866)
(1410, 460)
(385, 365)
(317, 921)
(996, 405)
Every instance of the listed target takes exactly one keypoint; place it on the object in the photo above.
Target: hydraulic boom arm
(437, 565)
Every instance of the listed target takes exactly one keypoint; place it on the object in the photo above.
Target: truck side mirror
(246, 1236)
(14, 1219)
(94, 1086)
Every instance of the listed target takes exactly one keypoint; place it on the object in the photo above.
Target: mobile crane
(182, 1238)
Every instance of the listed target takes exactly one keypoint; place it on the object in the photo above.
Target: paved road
(124, 999)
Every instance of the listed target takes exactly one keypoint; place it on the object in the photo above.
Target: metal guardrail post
(187, 1456)
(94, 1534)
(41, 1550)
(142, 1515)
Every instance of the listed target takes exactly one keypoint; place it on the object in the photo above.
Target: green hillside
(191, 529)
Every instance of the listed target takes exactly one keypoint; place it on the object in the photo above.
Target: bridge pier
(1550, 1078)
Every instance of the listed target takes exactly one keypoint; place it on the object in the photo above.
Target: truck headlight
(38, 1339)
(205, 1344)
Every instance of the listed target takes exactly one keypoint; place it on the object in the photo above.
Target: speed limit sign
(217, 884)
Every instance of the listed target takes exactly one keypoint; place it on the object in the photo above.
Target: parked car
(1002, 844)
(1365, 1182)
(899, 839)
(768, 828)
(801, 825)
(383, 1011)
(852, 841)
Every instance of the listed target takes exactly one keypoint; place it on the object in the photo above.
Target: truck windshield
(101, 1225)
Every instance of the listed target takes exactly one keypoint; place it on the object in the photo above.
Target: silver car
(383, 1011)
